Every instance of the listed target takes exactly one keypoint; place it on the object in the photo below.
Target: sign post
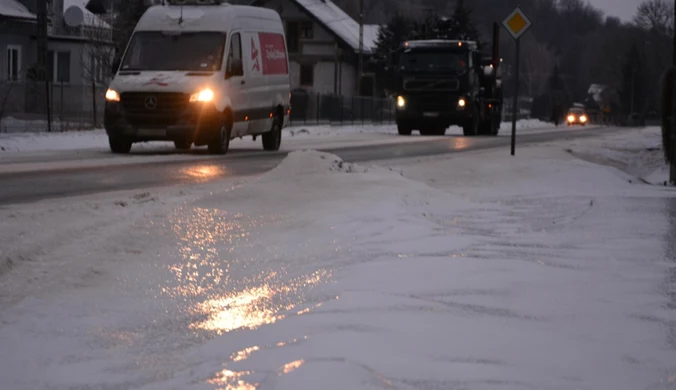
(516, 24)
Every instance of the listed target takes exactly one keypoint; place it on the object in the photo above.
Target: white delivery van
(200, 73)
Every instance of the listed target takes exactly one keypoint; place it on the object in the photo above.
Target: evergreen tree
(390, 36)
(463, 24)
(631, 92)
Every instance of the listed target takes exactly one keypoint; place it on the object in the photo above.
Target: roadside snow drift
(474, 271)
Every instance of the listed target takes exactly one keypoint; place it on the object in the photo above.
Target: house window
(13, 62)
(306, 30)
(292, 37)
(307, 77)
(96, 71)
(295, 31)
(58, 64)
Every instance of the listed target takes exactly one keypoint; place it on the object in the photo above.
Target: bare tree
(537, 61)
(656, 16)
(97, 57)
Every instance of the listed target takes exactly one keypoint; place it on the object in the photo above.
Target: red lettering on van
(254, 57)
(273, 53)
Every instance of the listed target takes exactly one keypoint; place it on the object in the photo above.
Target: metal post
(340, 102)
(361, 45)
(94, 118)
(42, 56)
(516, 94)
(633, 89)
(672, 170)
(318, 99)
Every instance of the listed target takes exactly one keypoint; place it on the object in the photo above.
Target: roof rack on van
(195, 2)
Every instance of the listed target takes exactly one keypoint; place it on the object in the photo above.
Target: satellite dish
(74, 16)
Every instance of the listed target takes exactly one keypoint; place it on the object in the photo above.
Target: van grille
(166, 110)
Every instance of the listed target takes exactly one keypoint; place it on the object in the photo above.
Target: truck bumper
(197, 123)
(433, 111)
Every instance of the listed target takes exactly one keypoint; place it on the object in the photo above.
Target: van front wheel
(272, 139)
(221, 141)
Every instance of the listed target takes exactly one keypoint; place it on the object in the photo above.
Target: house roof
(90, 20)
(14, 9)
(337, 22)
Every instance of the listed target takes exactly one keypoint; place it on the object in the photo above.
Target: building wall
(320, 51)
(12, 93)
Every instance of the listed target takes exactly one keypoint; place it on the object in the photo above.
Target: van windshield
(157, 51)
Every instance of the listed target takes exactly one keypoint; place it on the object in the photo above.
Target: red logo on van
(273, 51)
(254, 57)
(158, 80)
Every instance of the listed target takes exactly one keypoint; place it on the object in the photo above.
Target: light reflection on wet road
(214, 245)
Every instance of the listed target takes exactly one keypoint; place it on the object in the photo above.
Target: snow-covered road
(473, 271)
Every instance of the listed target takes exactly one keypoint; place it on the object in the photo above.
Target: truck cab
(436, 81)
(445, 82)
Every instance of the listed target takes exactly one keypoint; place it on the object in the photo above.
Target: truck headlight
(401, 102)
(583, 119)
(205, 95)
(112, 96)
(571, 118)
(462, 103)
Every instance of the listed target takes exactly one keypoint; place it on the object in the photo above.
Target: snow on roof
(340, 23)
(90, 20)
(14, 9)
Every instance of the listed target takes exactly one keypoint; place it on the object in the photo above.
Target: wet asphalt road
(35, 186)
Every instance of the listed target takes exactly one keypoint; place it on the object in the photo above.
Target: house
(79, 44)
(323, 45)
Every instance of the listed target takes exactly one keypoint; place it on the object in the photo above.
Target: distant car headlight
(571, 118)
(401, 102)
(112, 96)
(462, 103)
(583, 119)
(205, 95)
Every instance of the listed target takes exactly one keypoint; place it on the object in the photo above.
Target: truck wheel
(471, 127)
(272, 140)
(183, 144)
(119, 145)
(404, 130)
(426, 131)
(220, 143)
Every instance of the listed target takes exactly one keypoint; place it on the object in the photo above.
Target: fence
(72, 107)
(316, 109)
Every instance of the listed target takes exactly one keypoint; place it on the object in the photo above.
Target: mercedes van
(200, 72)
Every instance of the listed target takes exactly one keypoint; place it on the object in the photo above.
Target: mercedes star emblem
(151, 102)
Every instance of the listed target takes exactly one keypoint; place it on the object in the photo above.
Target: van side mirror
(235, 68)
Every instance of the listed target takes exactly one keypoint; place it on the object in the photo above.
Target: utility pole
(42, 56)
(672, 158)
(633, 91)
(361, 46)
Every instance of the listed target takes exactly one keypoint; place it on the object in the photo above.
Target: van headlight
(205, 95)
(112, 95)
(401, 102)
(462, 103)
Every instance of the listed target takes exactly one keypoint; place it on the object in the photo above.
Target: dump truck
(441, 82)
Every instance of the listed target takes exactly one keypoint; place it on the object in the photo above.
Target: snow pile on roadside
(637, 152)
(97, 139)
(299, 130)
(320, 269)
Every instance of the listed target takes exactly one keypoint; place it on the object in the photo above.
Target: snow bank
(97, 139)
(476, 270)
(637, 152)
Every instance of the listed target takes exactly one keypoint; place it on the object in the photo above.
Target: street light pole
(361, 46)
(672, 158)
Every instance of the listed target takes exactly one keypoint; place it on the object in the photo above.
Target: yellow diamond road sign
(517, 23)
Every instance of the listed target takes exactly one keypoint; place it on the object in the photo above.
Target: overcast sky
(625, 9)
